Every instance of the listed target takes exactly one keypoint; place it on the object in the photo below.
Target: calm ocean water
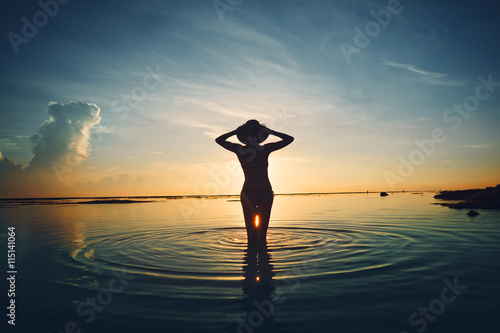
(334, 263)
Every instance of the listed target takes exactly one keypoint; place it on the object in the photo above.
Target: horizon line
(209, 195)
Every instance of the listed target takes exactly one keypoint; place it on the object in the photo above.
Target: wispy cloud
(6, 143)
(430, 78)
(210, 130)
(481, 145)
(455, 160)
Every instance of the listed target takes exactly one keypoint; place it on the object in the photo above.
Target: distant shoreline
(487, 198)
(472, 198)
(194, 196)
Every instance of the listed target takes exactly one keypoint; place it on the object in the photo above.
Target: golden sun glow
(256, 220)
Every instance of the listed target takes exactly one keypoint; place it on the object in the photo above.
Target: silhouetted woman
(257, 194)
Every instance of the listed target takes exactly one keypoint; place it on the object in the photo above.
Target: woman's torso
(254, 161)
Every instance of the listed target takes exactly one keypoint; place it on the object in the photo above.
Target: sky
(125, 98)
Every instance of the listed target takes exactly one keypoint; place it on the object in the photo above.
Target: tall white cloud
(64, 138)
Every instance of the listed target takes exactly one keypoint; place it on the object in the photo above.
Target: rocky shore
(488, 198)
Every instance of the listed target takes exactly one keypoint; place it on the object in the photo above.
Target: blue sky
(280, 62)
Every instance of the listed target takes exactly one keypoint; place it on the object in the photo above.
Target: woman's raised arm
(222, 140)
(285, 140)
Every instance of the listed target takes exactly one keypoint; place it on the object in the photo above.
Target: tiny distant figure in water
(257, 194)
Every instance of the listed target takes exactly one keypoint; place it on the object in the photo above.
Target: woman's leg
(264, 211)
(257, 202)
(249, 213)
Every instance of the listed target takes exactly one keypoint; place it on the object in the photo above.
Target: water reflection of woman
(257, 194)
(259, 294)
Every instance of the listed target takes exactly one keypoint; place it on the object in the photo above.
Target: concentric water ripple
(219, 253)
(342, 263)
